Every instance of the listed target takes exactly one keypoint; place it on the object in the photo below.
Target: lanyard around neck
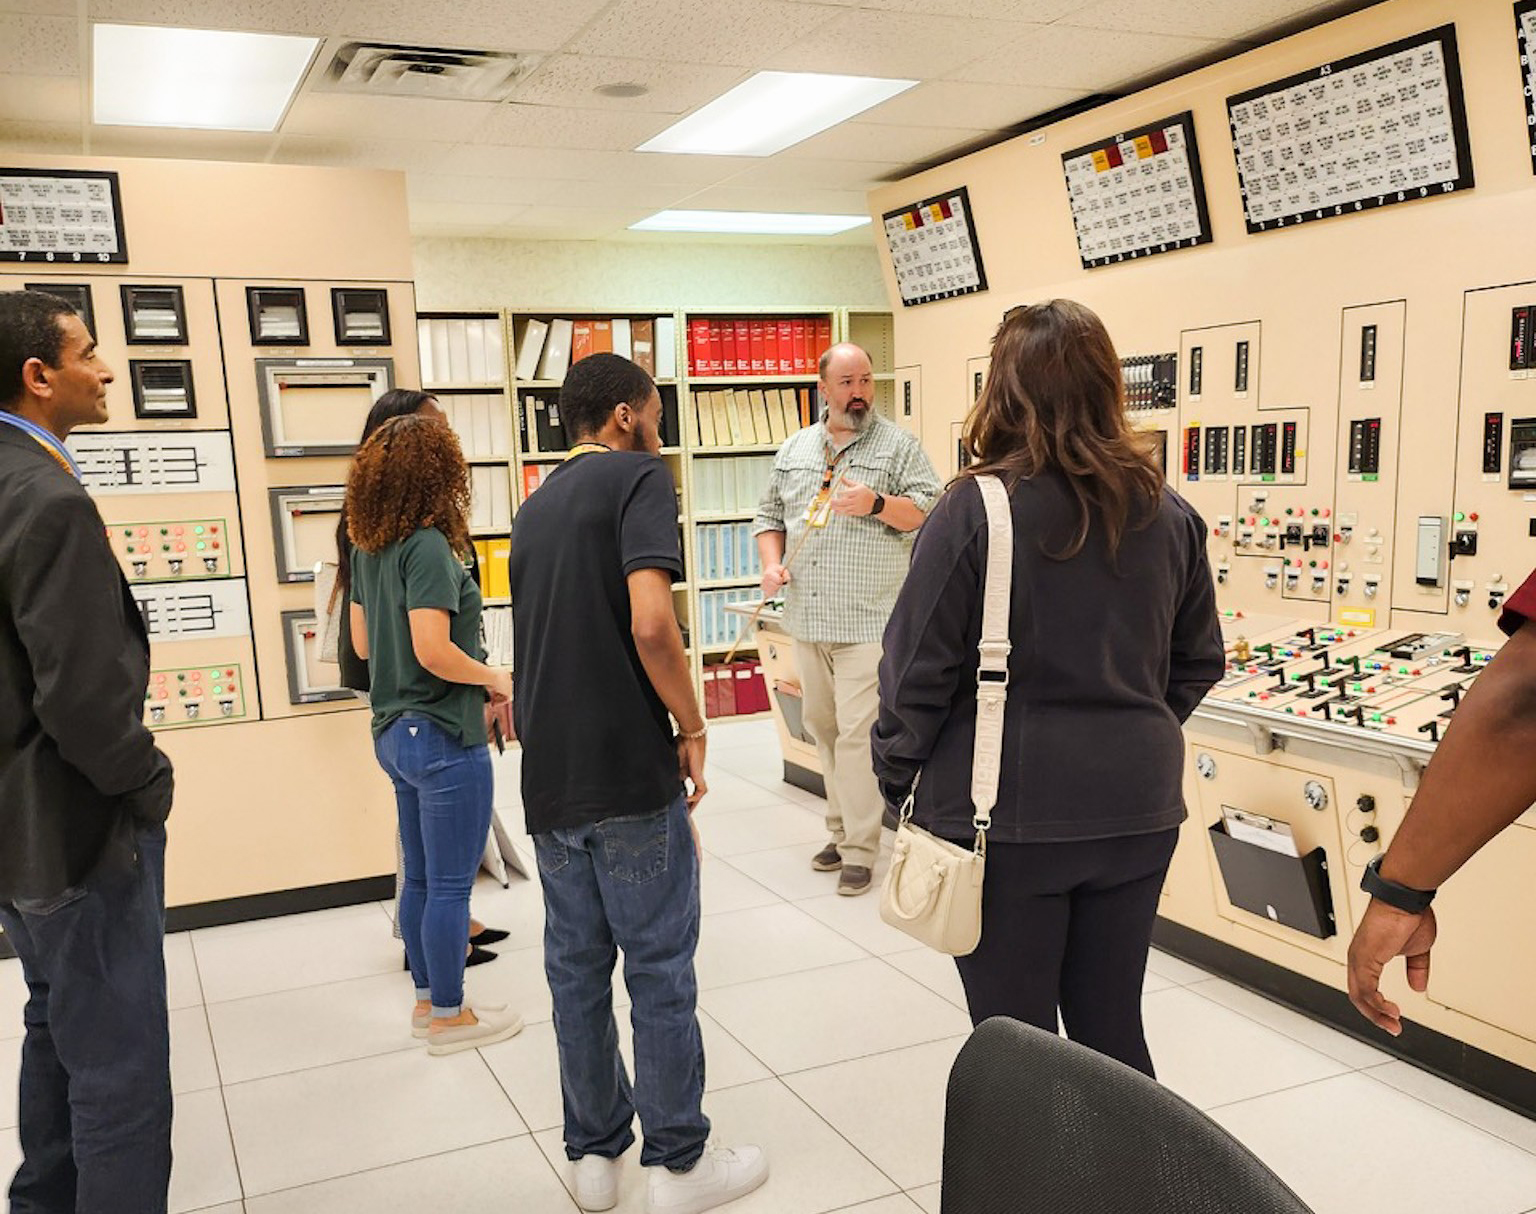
(46, 441)
(587, 449)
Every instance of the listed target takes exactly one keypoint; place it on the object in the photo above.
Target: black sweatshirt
(1109, 659)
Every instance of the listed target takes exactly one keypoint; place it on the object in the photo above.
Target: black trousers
(1065, 927)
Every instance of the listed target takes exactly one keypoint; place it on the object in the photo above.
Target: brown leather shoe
(854, 880)
(827, 860)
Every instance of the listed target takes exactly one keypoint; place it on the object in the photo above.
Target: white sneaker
(722, 1174)
(597, 1182)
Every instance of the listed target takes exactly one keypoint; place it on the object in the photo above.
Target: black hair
(595, 387)
(397, 402)
(29, 328)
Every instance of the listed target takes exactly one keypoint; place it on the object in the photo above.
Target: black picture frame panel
(1186, 122)
(962, 194)
(1465, 178)
(73, 257)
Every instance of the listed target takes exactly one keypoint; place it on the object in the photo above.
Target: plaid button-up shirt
(843, 583)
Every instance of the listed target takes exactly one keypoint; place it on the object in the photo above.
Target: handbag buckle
(991, 679)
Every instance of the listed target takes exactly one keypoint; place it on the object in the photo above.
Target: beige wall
(1295, 284)
(474, 274)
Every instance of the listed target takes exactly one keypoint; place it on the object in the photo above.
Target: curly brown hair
(410, 474)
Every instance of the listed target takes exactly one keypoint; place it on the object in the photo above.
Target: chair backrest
(1035, 1124)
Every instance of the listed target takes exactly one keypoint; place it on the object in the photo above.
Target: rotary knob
(1315, 795)
(1206, 766)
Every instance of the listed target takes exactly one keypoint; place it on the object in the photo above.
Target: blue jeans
(628, 883)
(96, 1063)
(443, 791)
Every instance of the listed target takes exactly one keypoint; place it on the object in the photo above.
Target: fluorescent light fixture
(744, 223)
(771, 111)
(210, 80)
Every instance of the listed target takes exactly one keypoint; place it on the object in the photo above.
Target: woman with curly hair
(415, 615)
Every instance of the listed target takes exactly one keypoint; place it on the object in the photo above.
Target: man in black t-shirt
(608, 789)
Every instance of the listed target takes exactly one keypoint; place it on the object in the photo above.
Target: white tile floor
(829, 1041)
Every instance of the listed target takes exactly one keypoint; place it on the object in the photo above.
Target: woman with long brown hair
(1114, 640)
(415, 614)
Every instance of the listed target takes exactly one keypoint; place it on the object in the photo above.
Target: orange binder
(581, 340)
(642, 340)
(602, 336)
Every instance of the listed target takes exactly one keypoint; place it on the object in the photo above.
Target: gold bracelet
(694, 737)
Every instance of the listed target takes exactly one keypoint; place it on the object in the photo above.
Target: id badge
(819, 512)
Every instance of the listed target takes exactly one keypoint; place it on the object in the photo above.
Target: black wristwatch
(874, 511)
(1404, 897)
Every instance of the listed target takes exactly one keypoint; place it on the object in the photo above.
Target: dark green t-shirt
(417, 572)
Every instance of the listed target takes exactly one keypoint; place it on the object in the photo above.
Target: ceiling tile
(673, 87)
(19, 138)
(744, 33)
(1241, 19)
(1071, 57)
(423, 186)
(903, 45)
(568, 223)
(900, 143)
(1040, 11)
(239, 146)
(954, 103)
(611, 168)
(39, 46)
(42, 98)
(547, 126)
(314, 17)
(361, 153)
(797, 202)
(651, 196)
(511, 25)
(43, 8)
(461, 214)
(838, 174)
(350, 116)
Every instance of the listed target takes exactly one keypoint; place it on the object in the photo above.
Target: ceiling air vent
(384, 69)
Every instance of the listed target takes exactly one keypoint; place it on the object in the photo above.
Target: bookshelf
(720, 458)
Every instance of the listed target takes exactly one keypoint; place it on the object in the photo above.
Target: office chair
(1035, 1124)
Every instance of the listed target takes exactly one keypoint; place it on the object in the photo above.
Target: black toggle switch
(1452, 695)
(1432, 728)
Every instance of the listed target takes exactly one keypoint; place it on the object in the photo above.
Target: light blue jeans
(443, 791)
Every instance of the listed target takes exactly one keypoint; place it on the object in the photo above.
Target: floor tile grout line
(824, 1066)
(852, 1146)
(496, 1079)
(1430, 1104)
(213, 1048)
(1288, 1036)
(384, 1167)
(1289, 1087)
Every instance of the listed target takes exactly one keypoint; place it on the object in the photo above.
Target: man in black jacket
(84, 794)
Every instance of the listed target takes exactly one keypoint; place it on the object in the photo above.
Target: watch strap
(1402, 897)
(879, 506)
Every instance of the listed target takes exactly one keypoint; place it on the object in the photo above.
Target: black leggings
(1067, 926)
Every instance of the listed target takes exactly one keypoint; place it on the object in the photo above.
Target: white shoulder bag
(933, 889)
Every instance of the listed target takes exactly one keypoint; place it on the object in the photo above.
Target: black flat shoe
(478, 956)
(489, 935)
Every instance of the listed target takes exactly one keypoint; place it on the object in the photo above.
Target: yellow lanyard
(819, 512)
(57, 458)
(586, 449)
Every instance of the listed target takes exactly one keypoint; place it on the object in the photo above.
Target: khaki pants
(841, 697)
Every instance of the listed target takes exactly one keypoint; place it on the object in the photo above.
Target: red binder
(711, 692)
(823, 335)
(729, 364)
(743, 332)
(802, 346)
(759, 349)
(786, 347)
(716, 358)
(698, 346)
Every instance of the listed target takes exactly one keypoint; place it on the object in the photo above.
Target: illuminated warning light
(201, 545)
(217, 690)
(197, 531)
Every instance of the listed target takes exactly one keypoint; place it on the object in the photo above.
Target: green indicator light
(1460, 517)
(201, 545)
(218, 691)
(1290, 710)
(197, 530)
(1264, 522)
(163, 531)
(181, 678)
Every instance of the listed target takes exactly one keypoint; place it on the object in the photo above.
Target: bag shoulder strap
(992, 670)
